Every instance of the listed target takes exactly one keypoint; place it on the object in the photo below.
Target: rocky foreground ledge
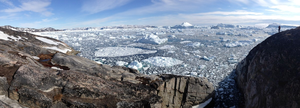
(43, 72)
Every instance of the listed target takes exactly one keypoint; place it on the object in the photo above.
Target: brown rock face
(41, 78)
(270, 75)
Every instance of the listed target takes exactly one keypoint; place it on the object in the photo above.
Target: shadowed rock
(269, 76)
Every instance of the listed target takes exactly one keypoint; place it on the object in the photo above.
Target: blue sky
(97, 13)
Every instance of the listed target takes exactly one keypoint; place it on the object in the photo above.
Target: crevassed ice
(121, 51)
(162, 61)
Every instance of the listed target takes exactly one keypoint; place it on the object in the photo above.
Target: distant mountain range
(30, 29)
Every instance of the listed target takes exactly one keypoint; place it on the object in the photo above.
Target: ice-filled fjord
(211, 52)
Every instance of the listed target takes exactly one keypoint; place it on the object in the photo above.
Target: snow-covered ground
(197, 51)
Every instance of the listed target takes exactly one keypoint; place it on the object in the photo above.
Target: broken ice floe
(162, 61)
(168, 47)
(195, 44)
(121, 51)
(237, 44)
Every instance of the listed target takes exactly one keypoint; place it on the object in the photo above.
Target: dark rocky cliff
(269, 76)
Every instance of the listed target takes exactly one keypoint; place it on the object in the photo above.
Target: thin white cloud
(37, 24)
(7, 2)
(211, 19)
(158, 6)
(276, 6)
(39, 6)
(239, 12)
(95, 6)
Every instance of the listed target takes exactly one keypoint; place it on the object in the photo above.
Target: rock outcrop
(269, 76)
(38, 73)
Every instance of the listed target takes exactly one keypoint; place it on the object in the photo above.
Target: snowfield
(185, 49)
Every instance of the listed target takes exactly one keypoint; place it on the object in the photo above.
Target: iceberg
(135, 65)
(152, 39)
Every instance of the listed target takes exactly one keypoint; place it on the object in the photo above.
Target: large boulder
(269, 76)
(42, 72)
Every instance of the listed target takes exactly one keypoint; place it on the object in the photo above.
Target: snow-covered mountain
(183, 25)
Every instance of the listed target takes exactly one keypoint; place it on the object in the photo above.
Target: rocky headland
(42, 72)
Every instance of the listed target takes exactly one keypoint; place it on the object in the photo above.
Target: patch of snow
(162, 61)
(56, 68)
(57, 49)
(50, 89)
(48, 41)
(35, 57)
(14, 38)
(4, 36)
(121, 51)
(153, 39)
(202, 105)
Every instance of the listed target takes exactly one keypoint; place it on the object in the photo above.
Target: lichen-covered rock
(269, 76)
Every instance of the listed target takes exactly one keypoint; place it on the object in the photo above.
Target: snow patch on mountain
(58, 49)
(4, 36)
(186, 24)
(48, 41)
